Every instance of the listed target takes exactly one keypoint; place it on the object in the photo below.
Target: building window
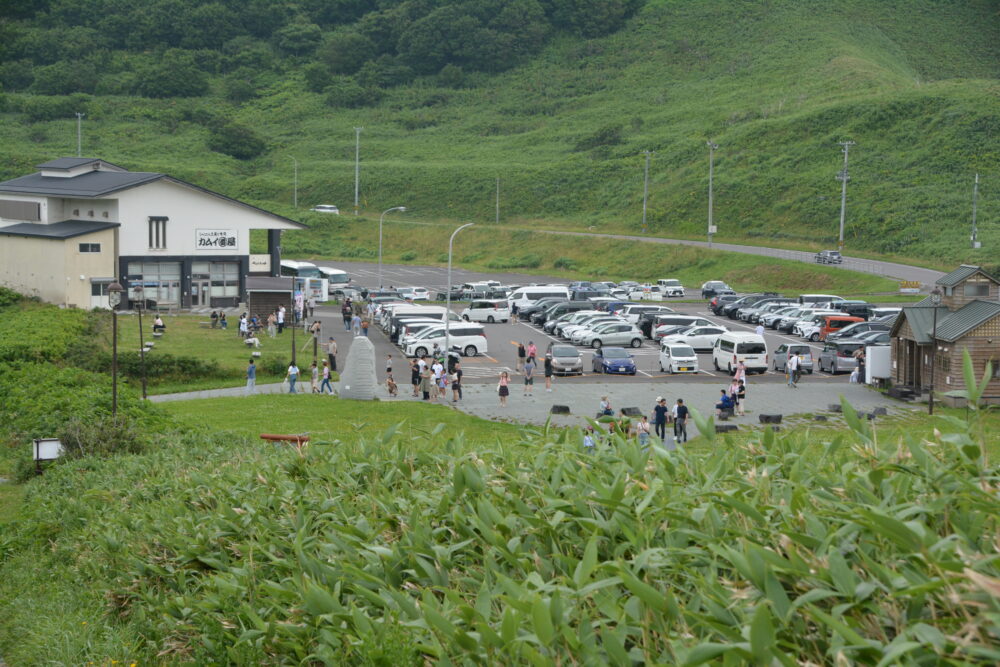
(99, 289)
(90, 247)
(28, 211)
(157, 233)
(976, 287)
(220, 279)
(160, 281)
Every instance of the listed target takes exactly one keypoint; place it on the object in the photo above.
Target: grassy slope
(775, 84)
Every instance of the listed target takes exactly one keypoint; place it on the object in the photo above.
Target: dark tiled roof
(962, 273)
(921, 320)
(58, 230)
(965, 319)
(90, 184)
(65, 163)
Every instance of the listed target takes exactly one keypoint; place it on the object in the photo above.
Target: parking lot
(503, 338)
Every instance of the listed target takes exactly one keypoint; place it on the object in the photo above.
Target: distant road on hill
(890, 269)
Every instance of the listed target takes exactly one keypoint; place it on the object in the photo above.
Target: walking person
(521, 355)
(529, 376)
(741, 398)
(456, 383)
(513, 313)
(325, 385)
(244, 325)
(364, 328)
(356, 325)
(759, 330)
(223, 323)
(681, 414)
(314, 378)
(792, 369)
(532, 352)
(292, 376)
(859, 356)
(660, 412)
(251, 387)
(388, 364)
(642, 430)
(741, 371)
(548, 372)
(331, 353)
(503, 388)
(415, 376)
(426, 382)
(281, 319)
(272, 325)
(437, 373)
(312, 306)
(346, 312)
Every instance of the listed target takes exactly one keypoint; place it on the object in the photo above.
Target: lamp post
(295, 182)
(140, 298)
(936, 301)
(711, 177)
(380, 219)
(447, 312)
(843, 177)
(114, 298)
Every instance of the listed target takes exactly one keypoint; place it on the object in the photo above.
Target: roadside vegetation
(224, 94)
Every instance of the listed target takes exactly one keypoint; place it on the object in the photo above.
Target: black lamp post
(114, 298)
(140, 299)
(936, 301)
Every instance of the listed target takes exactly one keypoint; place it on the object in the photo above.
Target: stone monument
(358, 381)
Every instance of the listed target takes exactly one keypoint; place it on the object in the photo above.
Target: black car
(714, 287)
(719, 301)
(729, 310)
(456, 294)
(538, 306)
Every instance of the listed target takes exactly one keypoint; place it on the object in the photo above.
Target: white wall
(188, 210)
(63, 209)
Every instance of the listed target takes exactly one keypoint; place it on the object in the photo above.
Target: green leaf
(650, 596)
(702, 653)
(587, 564)
(542, 620)
(318, 601)
(762, 634)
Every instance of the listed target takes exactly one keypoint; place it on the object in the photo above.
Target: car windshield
(751, 348)
(681, 351)
(616, 354)
(564, 351)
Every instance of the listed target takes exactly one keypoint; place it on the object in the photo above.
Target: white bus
(307, 278)
(337, 278)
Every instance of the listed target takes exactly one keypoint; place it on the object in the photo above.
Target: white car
(678, 358)
(487, 310)
(700, 338)
(420, 294)
(466, 336)
(325, 208)
(615, 334)
(586, 325)
(671, 286)
(646, 293)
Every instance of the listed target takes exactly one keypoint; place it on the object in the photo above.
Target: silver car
(838, 355)
(614, 333)
(780, 356)
(566, 359)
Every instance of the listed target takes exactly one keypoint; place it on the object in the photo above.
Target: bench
(205, 325)
(292, 439)
(726, 414)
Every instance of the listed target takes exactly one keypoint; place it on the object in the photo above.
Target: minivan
(561, 309)
(834, 323)
(733, 347)
(468, 337)
(524, 296)
(491, 311)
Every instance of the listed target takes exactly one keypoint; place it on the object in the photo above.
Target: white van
(525, 296)
(733, 347)
(809, 299)
(486, 310)
(468, 337)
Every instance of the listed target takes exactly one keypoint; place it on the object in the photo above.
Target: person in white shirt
(791, 368)
(760, 329)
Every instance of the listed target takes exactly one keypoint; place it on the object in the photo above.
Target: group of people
(352, 312)
(430, 379)
(677, 415)
(527, 364)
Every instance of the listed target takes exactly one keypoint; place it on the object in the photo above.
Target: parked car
(829, 257)
(730, 310)
(649, 323)
(491, 311)
(720, 301)
(771, 320)
(575, 332)
(671, 287)
(633, 312)
(714, 287)
(875, 338)
(857, 329)
(733, 347)
(804, 351)
(455, 293)
(678, 358)
(613, 360)
(758, 311)
(467, 337)
(575, 318)
(675, 320)
(647, 293)
(566, 359)
(700, 338)
(838, 355)
(325, 208)
(615, 333)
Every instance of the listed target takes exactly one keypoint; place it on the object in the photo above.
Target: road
(877, 267)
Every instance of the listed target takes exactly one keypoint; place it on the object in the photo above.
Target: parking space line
(644, 373)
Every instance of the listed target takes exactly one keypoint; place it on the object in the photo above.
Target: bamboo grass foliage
(787, 550)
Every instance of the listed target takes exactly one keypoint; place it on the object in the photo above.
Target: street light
(380, 219)
(447, 311)
(140, 298)
(711, 175)
(114, 298)
(935, 301)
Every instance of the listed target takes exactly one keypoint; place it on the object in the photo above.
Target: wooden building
(967, 318)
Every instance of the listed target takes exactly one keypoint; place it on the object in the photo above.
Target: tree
(233, 139)
(63, 78)
(174, 74)
(347, 93)
(590, 18)
(317, 76)
(346, 52)
(298, 37)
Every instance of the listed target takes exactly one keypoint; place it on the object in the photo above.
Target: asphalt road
(880, 268)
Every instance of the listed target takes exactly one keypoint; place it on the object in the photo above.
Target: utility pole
(975, 197)
(79, 134)
(357, 166)
(295, 183)
(645, 191)
(711, 178)
(843, 177)
(498, 200)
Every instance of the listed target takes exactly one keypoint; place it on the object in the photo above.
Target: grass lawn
(186, 337)
(329, 419)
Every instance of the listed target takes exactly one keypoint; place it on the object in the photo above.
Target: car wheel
(470, 351)
(466, 318)
(775, 365)
(810, 371)
(596, 344)
(814, 337)
(420, 352)
(661, 367)
(636, 342)
(490, 319)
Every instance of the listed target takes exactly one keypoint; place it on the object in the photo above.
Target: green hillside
(777, 84)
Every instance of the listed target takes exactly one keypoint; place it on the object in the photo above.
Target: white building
(78, 224)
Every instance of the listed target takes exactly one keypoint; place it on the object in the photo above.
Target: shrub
(408, 256)
(101, 436)
(234, 139)
(39, 332)
(347, 93)
(565, 263)
(8, 297)
(609, 135)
